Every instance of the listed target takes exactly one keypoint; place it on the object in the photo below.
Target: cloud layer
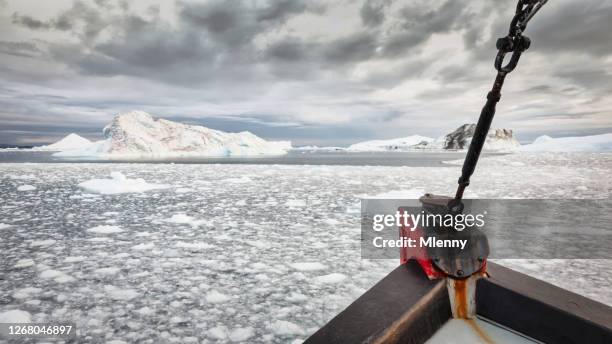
(318, 72)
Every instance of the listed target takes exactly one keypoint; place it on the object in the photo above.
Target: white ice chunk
(143, 246)
(25, 293)
(193, 246)
(216, 297)
(241, 334)
(15, 316)
(24, 263)
(107, 271)
(286, 328)
(42, 243)
(331, 278)
(56, 275)
(116, 293)
(105, 229)
(74, 259)
(308, 266)
(218, 332)
(118, 184)
(26, 188)
(186, 219)
(295, 203)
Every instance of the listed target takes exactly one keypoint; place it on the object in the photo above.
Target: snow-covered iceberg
(137, 134)
(399, 144)
(71, 141)
(317, 148)
(497, 140)
(593, 143)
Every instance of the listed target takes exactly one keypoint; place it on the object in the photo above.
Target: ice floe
(26, 187)
(216, 297)
(119, 183)
(104, 229)
(308, 266)
(331, 278)
(15, 316)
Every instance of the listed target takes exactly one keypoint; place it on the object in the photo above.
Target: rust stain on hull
(481, 333)
(461, 299)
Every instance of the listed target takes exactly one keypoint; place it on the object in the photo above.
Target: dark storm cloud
(212, 42)
(373, 12)
(30, 22)
(289, 49)
(577, 27)
(238, 22)
(353, 48)
(418, 23)
(91, 18)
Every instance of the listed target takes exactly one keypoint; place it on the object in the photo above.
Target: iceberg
(593, 143)
(317, 148)
(497, 139)
(71, 141)
(399, 144)
(137, 134)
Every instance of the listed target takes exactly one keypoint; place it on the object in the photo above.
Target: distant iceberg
(71, 141)
(137, 134)
(317, 148)
(497, 139)
(593, 143)
(400, 144)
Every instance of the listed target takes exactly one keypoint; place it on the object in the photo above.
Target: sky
(313, 72)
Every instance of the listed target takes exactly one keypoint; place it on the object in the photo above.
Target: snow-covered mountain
(399, 144)
(137, 134)
(593, 143)
(497, 139)
(71, 141)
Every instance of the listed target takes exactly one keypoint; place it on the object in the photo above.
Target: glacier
(137, 135)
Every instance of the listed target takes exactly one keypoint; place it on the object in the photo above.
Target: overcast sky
(327, 73)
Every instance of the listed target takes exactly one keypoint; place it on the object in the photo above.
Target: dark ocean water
(414, 159)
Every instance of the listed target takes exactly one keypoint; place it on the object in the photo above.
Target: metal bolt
(459, 272)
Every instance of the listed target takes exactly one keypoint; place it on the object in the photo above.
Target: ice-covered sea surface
(256, 253)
